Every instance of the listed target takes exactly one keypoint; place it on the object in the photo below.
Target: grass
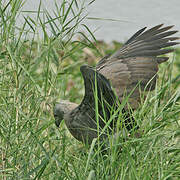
(34, 74)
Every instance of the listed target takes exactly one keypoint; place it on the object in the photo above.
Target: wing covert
(136, 63)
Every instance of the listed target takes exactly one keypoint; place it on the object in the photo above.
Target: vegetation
(35, 73)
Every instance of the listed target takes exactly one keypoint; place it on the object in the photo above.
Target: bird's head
(62, 109)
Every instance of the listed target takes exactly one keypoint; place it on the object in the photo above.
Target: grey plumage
(135, 63)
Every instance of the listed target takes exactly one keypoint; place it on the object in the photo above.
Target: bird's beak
(57, 121)
(58, 115)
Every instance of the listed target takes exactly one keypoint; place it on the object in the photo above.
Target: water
(138, 13)
(132, 16)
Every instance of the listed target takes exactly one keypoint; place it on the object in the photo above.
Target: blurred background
(117, 20)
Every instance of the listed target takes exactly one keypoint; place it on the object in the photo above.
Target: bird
(131, 69)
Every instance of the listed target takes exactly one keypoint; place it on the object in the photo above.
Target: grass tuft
(35, 71)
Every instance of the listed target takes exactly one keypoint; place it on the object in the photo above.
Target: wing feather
(105, 94)
(136, 63)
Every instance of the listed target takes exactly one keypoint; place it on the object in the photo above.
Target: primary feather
(131, 69)
(137, 62)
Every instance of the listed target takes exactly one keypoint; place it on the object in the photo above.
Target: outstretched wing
(97, 86)
(82, 121)
(135, 65)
